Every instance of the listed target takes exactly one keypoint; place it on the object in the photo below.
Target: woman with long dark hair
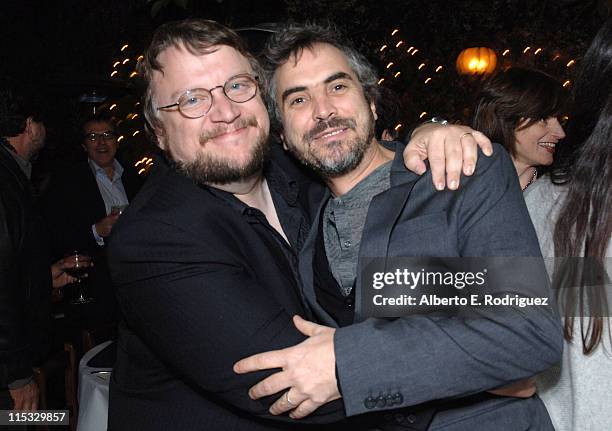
(518, 108)
(572, 213)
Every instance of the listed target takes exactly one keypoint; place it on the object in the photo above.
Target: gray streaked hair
(292, 39)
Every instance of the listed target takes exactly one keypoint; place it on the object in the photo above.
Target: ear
(160, 136)
(373, 109)
(282, 138)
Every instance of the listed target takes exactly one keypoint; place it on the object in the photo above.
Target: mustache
(240, 123)
(336, 122)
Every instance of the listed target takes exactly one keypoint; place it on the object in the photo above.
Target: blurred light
(124, 47)
(422, 114)
(133, 74)
(116, 63)
(571, 63)
(125, 61)
(422, 65)
(136, 132)
(505, 52)
(134, 116)
(556, 57)
(537, 51)
(120, 138)
(138, 162)
(140, 58)
(397, 45)
(141, 171)
(526, 49)
(380, 81)
(390, 64)
(409, 49)
(149, 160)
(427, 80)
(396, 128)
(113, 106)
(439, 68)
(394, 31)
(415, 51)
(567, 83)
(137, 103)
(114, 73)
(397, 74)
(382, 48)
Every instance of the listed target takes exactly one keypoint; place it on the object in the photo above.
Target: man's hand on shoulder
(25, 397)
(308, 372)
(451, 150)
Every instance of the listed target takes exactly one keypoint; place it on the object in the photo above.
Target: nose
(323, 107)
(223, 110)
(555, 128)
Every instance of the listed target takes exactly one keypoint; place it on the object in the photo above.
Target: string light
(415, 51)
(439, 68)
(120, 138)
(537, 51)
(140, 58)
(397, 74)
(409, 49)
(116, 64)
(113, 73)
(399, 126)
(507, 51)
(381, 80)
(397, 45)
(125, 61)
(422, 65)
(424, 113)
(136, 132)
(427, 80)
(571, 63)
(382, 48)
(133, 74)
(526, 49)
(124, 47)
(394, 31)
(113, 106)
(390, 64)
(566, 83)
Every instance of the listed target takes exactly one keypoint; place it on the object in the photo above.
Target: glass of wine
(80, 265)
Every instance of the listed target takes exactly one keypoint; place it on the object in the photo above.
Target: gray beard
(207, 169)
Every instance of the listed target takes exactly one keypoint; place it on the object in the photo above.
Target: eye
(338, 87)
(193, 100)
(297, 101)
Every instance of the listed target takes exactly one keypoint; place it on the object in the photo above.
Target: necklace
(532, 179)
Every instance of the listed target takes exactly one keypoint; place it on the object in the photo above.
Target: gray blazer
(442, 360)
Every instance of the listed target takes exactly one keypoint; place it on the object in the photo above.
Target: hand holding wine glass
(76, 265)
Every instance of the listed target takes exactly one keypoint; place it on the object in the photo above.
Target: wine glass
(81, 263)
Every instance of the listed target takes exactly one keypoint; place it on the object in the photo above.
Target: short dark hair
(198, 36)
(102, 117)
(292, 39)
(512, 96)
(16, 106)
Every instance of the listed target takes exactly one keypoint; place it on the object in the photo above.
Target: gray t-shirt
(343, 221)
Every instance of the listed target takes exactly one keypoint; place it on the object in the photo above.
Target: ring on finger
(464, 135)
(289, 400)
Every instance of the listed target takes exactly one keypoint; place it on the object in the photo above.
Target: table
(93, 393)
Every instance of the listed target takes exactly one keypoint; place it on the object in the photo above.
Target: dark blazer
(199, 289)
(25, 278)
(72, 204)
(424, 358)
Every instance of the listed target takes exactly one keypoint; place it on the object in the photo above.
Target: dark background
(68, 48)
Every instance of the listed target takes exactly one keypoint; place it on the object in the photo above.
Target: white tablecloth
(93, 393)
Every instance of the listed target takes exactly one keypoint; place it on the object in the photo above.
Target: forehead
(183, 70)
(312, 66)
(97, 125)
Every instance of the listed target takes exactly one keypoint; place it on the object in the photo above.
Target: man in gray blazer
(323, 92)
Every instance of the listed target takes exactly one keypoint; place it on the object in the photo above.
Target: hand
(450, 148)
(308, 370)
(59, 275)
(523, 389)
(25, 397)
(104, 226)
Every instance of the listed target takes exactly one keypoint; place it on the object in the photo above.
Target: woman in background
(572, 213)
(518, 109)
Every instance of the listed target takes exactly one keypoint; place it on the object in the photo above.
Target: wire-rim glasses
(196, 103)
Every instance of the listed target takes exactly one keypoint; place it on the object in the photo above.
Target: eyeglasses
(197, 102)
(106, 135)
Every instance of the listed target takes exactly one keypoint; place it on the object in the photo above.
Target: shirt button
(347, 244)
(349, 302)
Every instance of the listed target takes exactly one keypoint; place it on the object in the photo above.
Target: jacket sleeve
(200, 312)
(15, 355)
(436, 357)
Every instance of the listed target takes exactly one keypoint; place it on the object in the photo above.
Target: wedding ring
(464, 135)
(288, 400)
